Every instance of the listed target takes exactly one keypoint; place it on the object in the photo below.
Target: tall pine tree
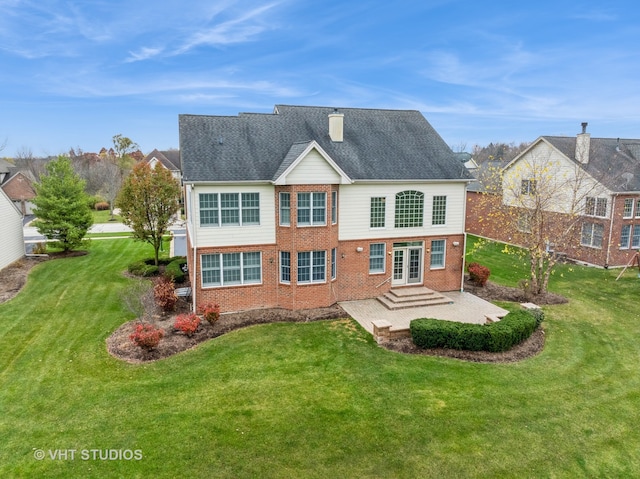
(61, 205)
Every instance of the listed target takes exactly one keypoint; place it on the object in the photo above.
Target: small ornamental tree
(61, 205)
(147, 201)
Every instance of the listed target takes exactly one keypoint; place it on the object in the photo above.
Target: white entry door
(407, 264)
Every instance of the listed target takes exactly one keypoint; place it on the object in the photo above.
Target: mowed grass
(313, 400)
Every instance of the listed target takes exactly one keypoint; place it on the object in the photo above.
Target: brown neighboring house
(18, 186)
(609, 216)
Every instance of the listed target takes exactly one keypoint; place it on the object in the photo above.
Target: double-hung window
(312, 266)
(437, 254)
(377, 212)
(528, 187)
(439, 210)
(312, 209)
(376, 258)
(285, 267)
(334, 207)
(229, 269)
(628, 208)
(229, 209)
(625, 236)
(592, 235)
(285, 209)
(635, 237)
(596, 207)
(334, 263)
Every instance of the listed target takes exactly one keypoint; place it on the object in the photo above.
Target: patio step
(415, 297)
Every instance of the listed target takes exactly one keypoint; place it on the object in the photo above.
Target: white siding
(264, 233)
(11, 233)
(562, 184)
(355, 205)
(313, 169)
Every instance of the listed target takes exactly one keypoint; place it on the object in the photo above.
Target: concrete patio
(382, 322)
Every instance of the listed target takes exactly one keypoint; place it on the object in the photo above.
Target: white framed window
(437, 253)
(285, 267)
(638, 208)
(628, 208)
(409, 209)
(229, 209)
(625, 236)
(377, 258)
(592, 235)
(635, 237)
(285, 209)
(334, 263)
(208, 209)
(528, 187)
(231, 269)
(377, 212)
(596, 207)
(439, 210)
(334, 207)
(312, 266)
(312, 209)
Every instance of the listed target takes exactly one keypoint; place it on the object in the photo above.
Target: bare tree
(25, 160)
(543, 198)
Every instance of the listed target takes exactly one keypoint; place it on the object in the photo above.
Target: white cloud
(144, 53)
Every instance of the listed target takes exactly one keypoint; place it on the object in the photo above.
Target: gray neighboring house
(170, 159)
(308, 206)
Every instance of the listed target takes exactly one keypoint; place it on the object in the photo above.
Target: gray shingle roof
(378, 145)
(170, 158)
(614, 162)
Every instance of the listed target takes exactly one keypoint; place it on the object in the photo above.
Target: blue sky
(75, 73)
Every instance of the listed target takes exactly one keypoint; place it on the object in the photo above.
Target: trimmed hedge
(140, 268)
(514, 328)
(174, 269)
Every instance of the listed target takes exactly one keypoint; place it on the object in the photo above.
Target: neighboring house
(170, 159)
(18, 185)
(601, 178)
(308, 206)
(11, 232)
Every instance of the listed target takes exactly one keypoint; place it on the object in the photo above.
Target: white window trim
(242, 281)
(219, 209)
(280, 223)
(311, 209)
(444, 256)
(311, 280)
(384, 259)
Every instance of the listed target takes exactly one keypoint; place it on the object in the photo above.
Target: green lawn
(313, 400)
(104, 216)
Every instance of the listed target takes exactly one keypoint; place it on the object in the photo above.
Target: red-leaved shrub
(165, 294)
(187, 323)
(210, 312)
(478, 274)
(146, 336)
(101, 206)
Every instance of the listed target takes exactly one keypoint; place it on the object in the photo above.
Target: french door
(407, 263)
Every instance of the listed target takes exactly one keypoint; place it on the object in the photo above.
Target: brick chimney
(583, 142)
(336, 126)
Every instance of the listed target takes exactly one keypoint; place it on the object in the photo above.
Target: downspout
(194, 244)
(464, 242)
(611, 216)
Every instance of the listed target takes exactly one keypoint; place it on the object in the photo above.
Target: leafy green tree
(147, 201)
(61, 205)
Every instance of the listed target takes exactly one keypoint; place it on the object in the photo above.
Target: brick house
(309, 206)
(607, 211)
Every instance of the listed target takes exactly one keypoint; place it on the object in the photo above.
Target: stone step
(412, 298)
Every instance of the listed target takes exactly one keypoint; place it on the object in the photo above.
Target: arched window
(409, 209)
